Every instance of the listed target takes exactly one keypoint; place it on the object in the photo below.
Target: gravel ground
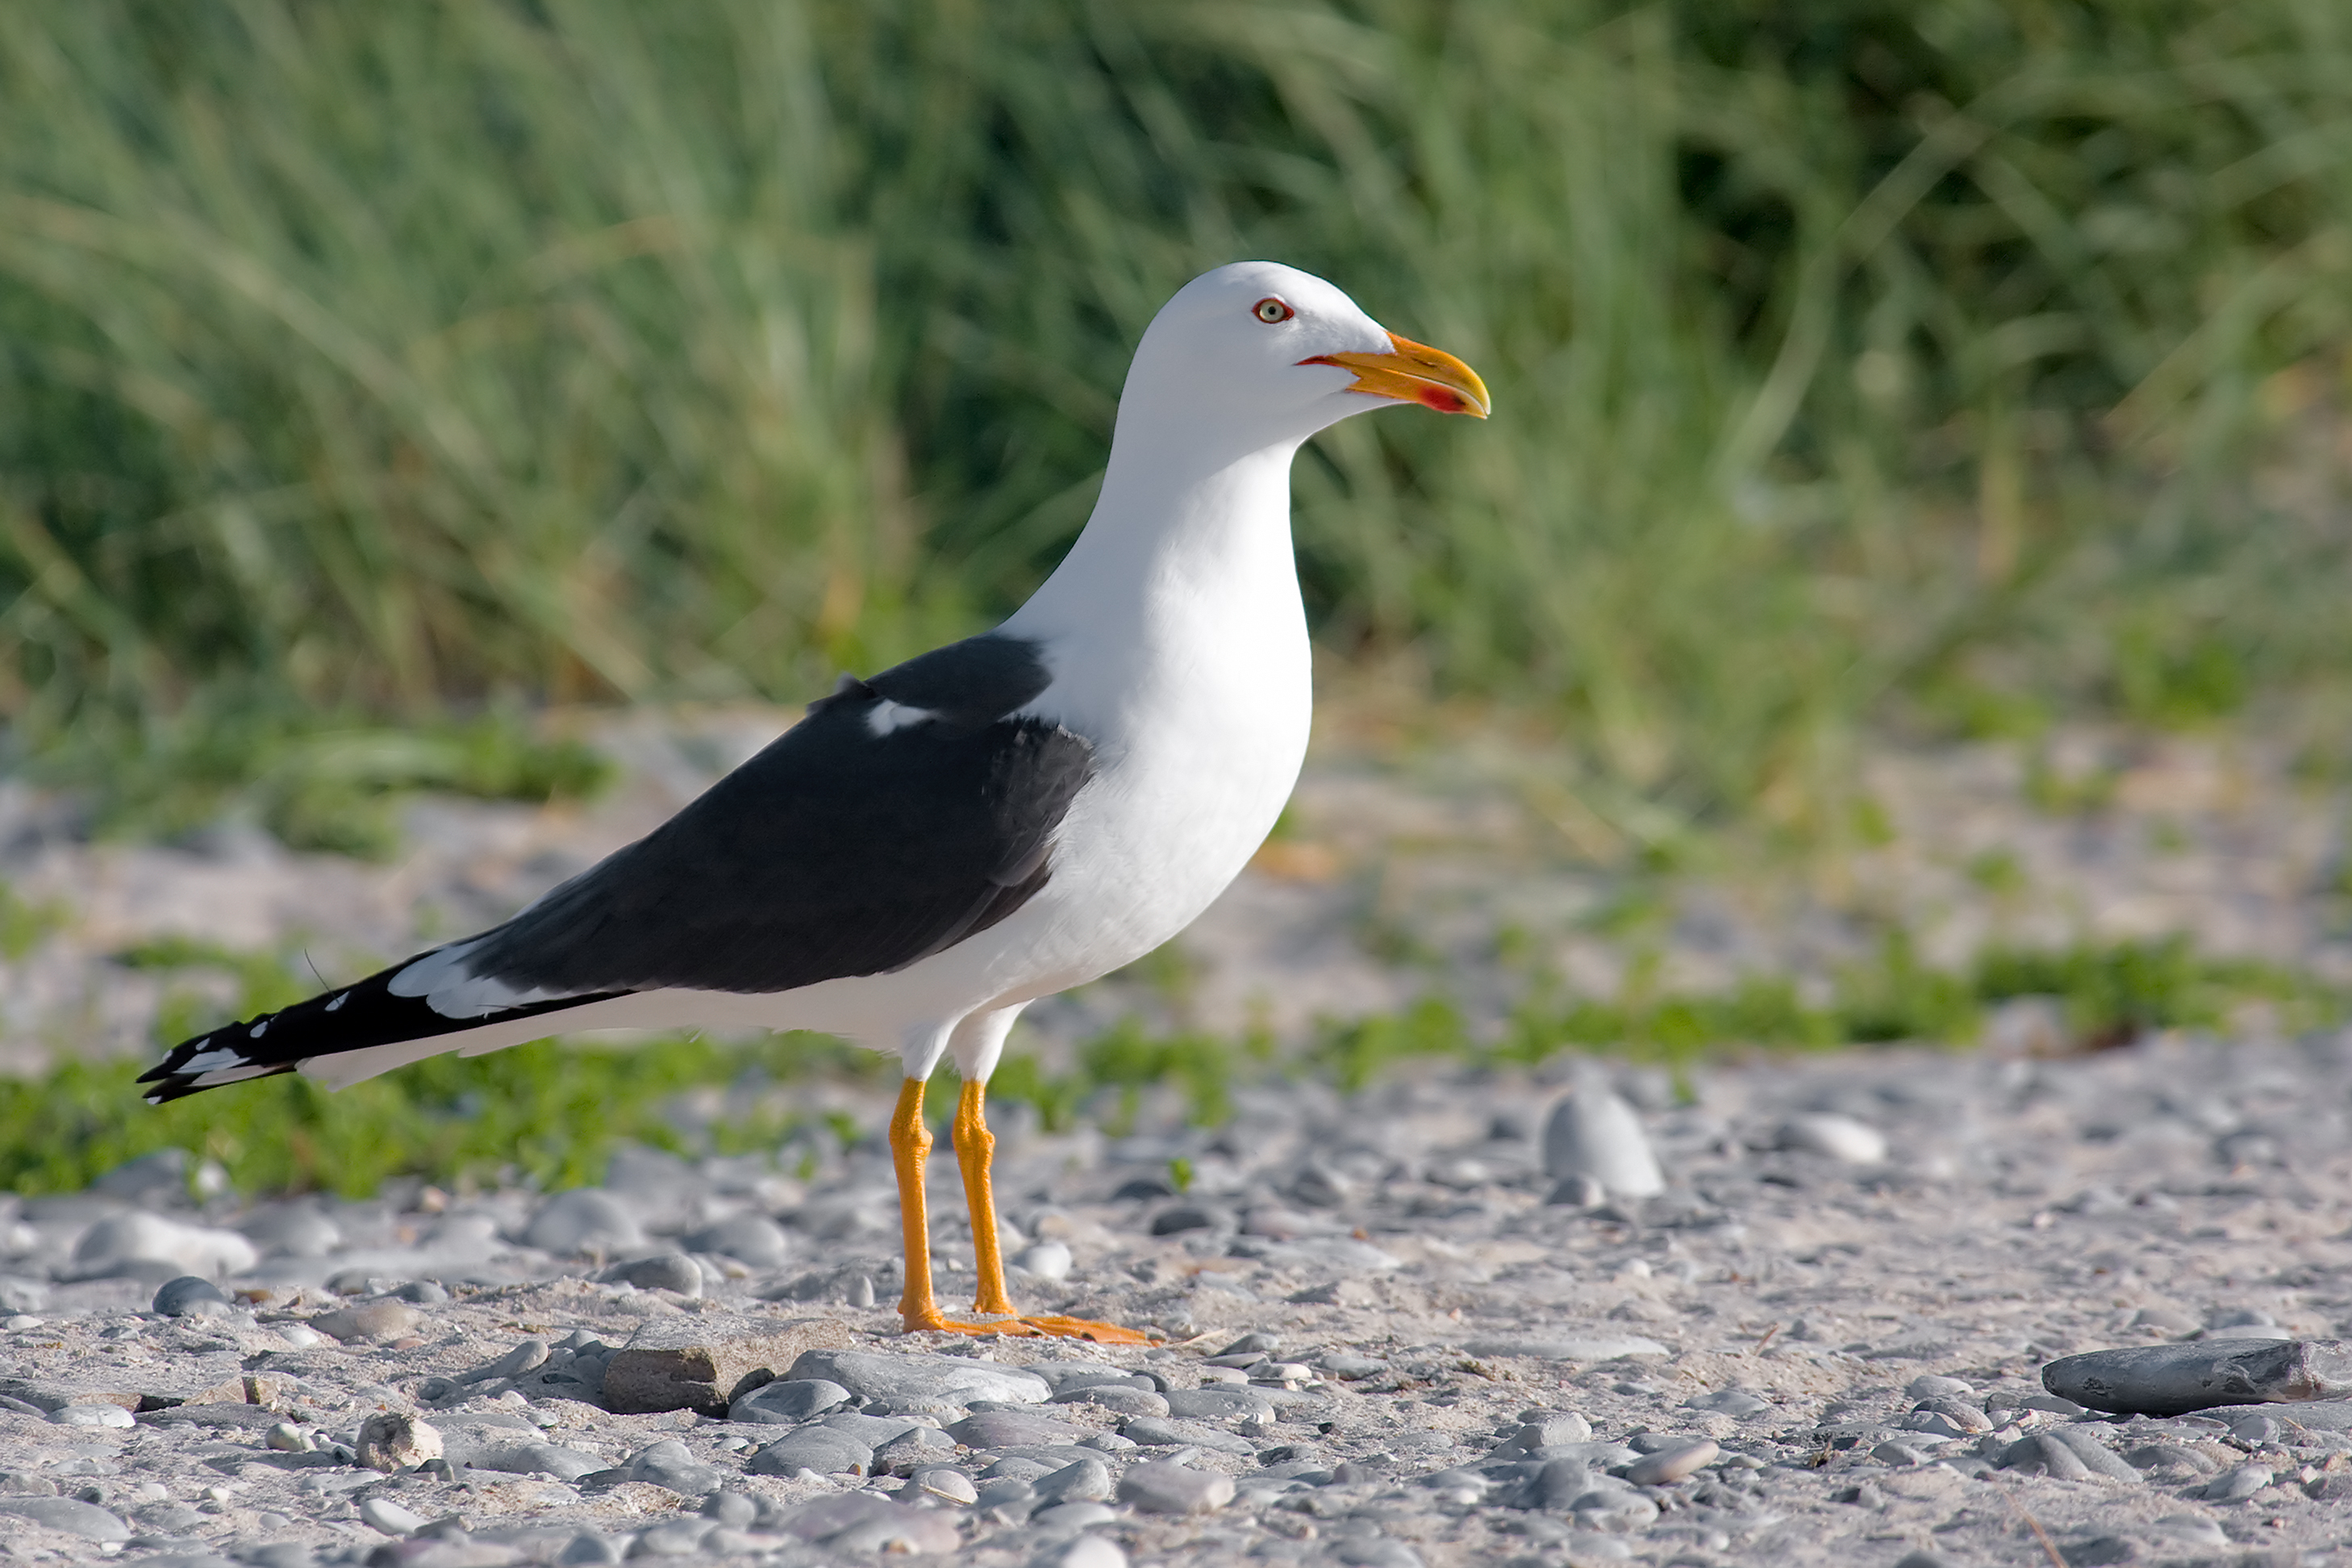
(1411, 1327)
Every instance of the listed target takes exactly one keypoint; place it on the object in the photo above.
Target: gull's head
(1283, 351)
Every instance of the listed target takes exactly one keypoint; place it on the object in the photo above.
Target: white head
(1267, 354)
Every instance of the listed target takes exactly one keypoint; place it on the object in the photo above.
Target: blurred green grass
(1950, 362)
(551, 1113)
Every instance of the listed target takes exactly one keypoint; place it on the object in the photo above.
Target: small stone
(1346, 1366)
(669, 1465)
(90, 1415)
(705, 1362)
(70, 1514)
(2239, 1482)
(1923, 1559)
(1556, 1487)
(585, 1219)
(920, 1385)
(735, 1509)
(1593, 1132)
(1167, 1488)
(1569, 1347)
(390, 1442)
(287, 1438)
(1220, 1404)
(527, 1356)
(1085, 1551)
(1011, 1429)
(374, 1320)
(536, 1459)
(1116, 1396)
(788, 1402)
(2174, 1379)
(1929, 1385)
(680, 1538)
(1182, 1217)
(1732, 1401)
(749, 1238)
(1088, 1481)
(588, 1550)
(1545, 1430)
(910, 1450)
(671, 1271)
(115, 1245)
(817, 1448)
(384, 1514)
(1155, 1432)
(293, 1230)
(1046, 1260)
(1668, 1466)
(423, 1292)
(1838, 1137)
(1947, 1418)
(943, 1481)
(190, 1296)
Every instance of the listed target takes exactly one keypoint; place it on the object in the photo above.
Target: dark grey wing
(903, 815)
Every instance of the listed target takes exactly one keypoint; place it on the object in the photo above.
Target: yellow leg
(975, 1148)
(975, 1151)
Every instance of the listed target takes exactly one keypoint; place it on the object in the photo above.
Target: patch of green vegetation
(25, 924)
(1998, 872)
(1841, 348)
(320, 782)
(551, 1113)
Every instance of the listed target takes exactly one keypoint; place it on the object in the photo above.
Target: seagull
(932, 849)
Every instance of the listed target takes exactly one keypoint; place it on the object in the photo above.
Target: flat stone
(2068, 1455)
(381, 1513)
(1011, 1429)
(927, 1385)
(1346, 1366)
(534, 1460)
(817, 1448)
(1225, 1404)
(2238, 1482)
(705, 1362)
(899, 1530)
(120, 1240)
(1085, 1551)
(190, 1296)
(1116, 1396)
(1087, 1480)
(90, 1415)
(751, 1238)
(827, 1517)
(2174, 1379)
(1159, 1432)
(293, 1230)
(1678, 1463)
(1570, 1347)
(671, 1271)
(942, 1481)
(1164, 1488)
(389, 1441)
(1838, 1137)
(585, 1219)
(1593, 1132)
(76, 1517)
(372, 1320)
(668, 1464)
(788, 1402)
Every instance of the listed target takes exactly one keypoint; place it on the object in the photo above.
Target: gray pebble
(1593, 1132)
(1067, 1516)
(788, 1402)
(668, 1464)
(749, 1238)
(588, 1550)
(389, 1441)
(191, 1296)
(826, 1452)
(1733, 1402)
(1011, 1429)
(2174, 1379)
(70, 1514)
(681, 1538)
(293, 1230)
(943, 1481)
(1165, 1488)
(1220, 1403)
(1840, 1138)
(1116, 1396)
(1152, 1431)
(671, 1271)
(2240, 1481)
(1087, 1480)
(1348, 1366)
(1931, 1386)
(1668, 1466)
(382, 1514)
(582, 1220)
(1085, 1551)
(920, 1384)
(1046, 1260)
(735, 1509)
(90, 1415)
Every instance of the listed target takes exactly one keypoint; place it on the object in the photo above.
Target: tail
(389, 1008)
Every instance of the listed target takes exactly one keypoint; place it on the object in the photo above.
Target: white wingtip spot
(886, 717)
(210, 1060)
(254, 1032)
(339, 1001)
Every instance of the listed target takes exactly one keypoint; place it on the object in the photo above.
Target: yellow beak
(1416, 372)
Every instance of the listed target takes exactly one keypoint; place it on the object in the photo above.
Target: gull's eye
(1271, 309)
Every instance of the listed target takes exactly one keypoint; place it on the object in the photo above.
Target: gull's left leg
(977, 1044)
